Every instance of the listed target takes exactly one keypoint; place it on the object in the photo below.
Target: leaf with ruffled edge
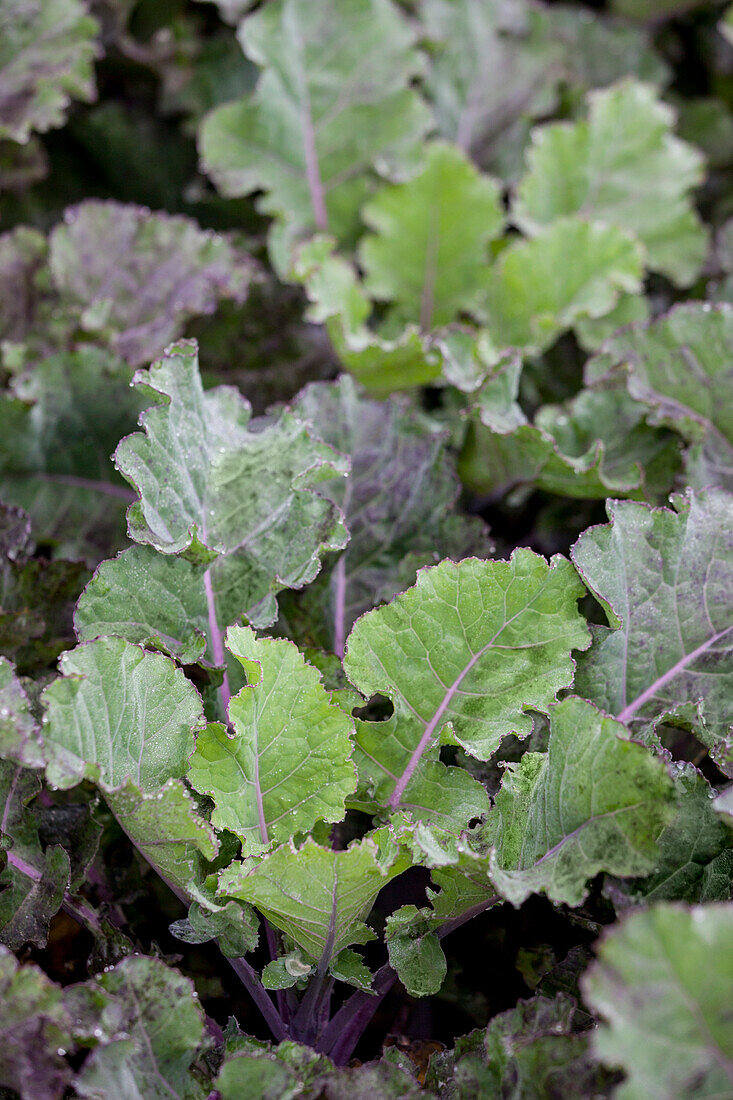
(159, 1034)
(332, 101)
(596, 445)
(463, 655)
(318, 896)
(664, 580)
(429, 242)
(60, 423)
(662, 984)
(132, 278)
(47, 55)
(679, 367)
(571, 269)
(399, 504)
(594, 802)
(624, 167)
(285, 764)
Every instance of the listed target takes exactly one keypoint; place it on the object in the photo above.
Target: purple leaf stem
(348, 1025)
(217, 642)
(434, 724)
(631, 708)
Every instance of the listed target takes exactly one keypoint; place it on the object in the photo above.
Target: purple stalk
(105, 487)
(312, 173)
(217, 643)
(433, 724)
(348, 1025)
(631, 708)
(339, 608)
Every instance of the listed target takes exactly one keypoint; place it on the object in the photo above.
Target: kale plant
(366, 552)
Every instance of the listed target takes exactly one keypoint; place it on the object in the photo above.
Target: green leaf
(161, 1028)
(36, 1030)
(463, 655)
(680, 367)
(286, 764)
(429, 245)
(662, 982)
(572, 269)
(259, 1074)
(318, 896)
(234, 926)
(663, 578)
(415, 952)
(134, 279)
(381, 365)
(60, 423)
(622, 166)
(688, 846)
(167, 829)
(118, 714)
(19, 739)
(348, 966)
(493, 66)
(47, 57)
(332, 101)
(534, 1050)
(594, 802)
(34, 880)
(594, 446)
(398, 501)
(214, 500)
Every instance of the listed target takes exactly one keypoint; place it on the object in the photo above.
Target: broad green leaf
(662, 982)
(259, 1074)
(535, 1050)
(622, 166)
(317, 896)
(688, 846)
(680, 367)
(197, 467)
(286, 762)
(594, 446)
(153, 600)
(429, 245)
(47, 54)
(464, 655)
(338, 299)
(664, 580)
(33, 881)
(446, 796)
(19, 739)
(570, 270)
(333, 100)
(167, 829)
(594, 802)
(415, 952)
(160, 1028)
(132, 279)
(36, 1029)
(495, 65)
(119, 714)
(398, 502)
(60, 423)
